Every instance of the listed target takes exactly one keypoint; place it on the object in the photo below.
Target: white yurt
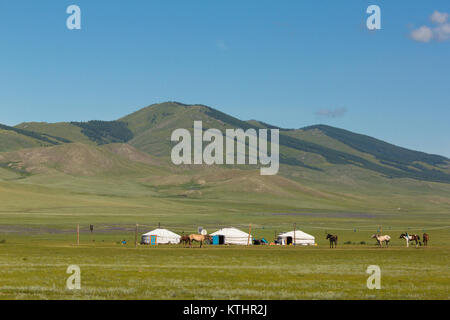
(163, 236)
(234, 236)
(301, 238)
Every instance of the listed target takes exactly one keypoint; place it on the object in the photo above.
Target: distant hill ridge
(318, 148)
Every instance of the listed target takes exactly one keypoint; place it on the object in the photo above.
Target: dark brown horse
(425, 238)
(199, 238)
(185, 240)
(333, 240)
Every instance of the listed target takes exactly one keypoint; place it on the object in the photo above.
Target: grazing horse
(185, 240)
(333, 240)
(412, 237)
(381, 239)
(199, 238)
(425, 237)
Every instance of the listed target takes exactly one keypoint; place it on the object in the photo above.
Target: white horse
(381, 239)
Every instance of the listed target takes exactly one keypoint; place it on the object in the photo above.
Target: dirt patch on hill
(131, 153)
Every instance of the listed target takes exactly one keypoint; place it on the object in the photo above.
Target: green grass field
(35, 254)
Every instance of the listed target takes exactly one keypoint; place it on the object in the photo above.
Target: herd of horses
(385, 239)
(381, 239)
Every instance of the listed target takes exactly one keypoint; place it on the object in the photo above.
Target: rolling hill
(152, 127)
(312, 148)
(321, 166)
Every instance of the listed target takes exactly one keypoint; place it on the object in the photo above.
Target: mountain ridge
(314, 147)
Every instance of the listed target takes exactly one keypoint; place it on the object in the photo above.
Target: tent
(234, 236)
(163, 236)
(301, 238)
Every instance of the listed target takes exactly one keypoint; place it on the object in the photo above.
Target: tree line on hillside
(402, 162)
(104, 132)
(397, 170)
(35, 135)
(381, 150)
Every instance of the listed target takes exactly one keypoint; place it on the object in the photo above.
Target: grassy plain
(37, 244)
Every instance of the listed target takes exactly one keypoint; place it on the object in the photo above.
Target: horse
(425, 237)
(381, 239)
(199, 238)
(185, 240)
(412, 237)
(333, 240)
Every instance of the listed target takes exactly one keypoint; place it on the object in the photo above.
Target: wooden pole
(78, 234)
(136, 235)
(249, 233)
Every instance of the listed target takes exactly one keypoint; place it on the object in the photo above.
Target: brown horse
(199, 238)
(185, 240)
(425, 238)
(333, 240)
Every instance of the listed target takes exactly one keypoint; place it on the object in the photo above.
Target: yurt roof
(161, 233)
(298, 235)
(231, 232)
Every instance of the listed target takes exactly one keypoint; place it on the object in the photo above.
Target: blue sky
(289, 63)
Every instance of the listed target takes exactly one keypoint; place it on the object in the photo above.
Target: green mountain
(317, 148)
(322, 168)
(153, 125)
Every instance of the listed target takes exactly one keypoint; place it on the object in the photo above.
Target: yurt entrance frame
(218, 240)
(289, 240)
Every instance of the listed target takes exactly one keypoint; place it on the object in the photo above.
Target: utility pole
(91, 228)
(249, 234)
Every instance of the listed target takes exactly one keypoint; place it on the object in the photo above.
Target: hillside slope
(322, 168)
(79, 159)
(152, 128)
(311, 150)
(12, 138)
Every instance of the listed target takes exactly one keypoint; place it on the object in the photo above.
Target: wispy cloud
(440, 31)
(331, 113)
(221, 45)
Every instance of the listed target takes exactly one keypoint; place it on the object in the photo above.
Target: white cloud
(423, 34)
(328, 113)
(439, 17)
(441, 32)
